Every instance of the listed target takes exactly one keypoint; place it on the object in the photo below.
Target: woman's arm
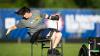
(10, 29)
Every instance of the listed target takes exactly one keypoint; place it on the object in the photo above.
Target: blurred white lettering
(80, 23)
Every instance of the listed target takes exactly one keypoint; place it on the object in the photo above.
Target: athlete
(34, 22)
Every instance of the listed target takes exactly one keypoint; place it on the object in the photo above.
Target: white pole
(89, 50)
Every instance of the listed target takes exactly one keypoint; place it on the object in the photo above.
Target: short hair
(23, 10)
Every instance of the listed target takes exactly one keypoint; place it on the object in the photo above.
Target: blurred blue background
(72, 19)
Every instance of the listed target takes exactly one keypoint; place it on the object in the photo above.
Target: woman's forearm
(10, 29)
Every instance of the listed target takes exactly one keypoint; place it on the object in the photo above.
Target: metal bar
(61, 47)
(31, 49)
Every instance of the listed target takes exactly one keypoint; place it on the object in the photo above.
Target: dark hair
(23, 10)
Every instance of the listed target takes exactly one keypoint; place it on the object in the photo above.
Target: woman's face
(27, 15)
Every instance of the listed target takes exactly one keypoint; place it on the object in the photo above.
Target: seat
(44, 41)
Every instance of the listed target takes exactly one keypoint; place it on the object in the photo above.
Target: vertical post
(52, 47)
(89, 53)
(31, 49)
(42, 48)
(62, 47)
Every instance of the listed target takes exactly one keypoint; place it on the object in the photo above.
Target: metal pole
(31, 49)
(89, 50)
(62, 47)
(52, 47)
(42, 48)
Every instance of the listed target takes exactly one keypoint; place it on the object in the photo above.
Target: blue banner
(78, 23)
